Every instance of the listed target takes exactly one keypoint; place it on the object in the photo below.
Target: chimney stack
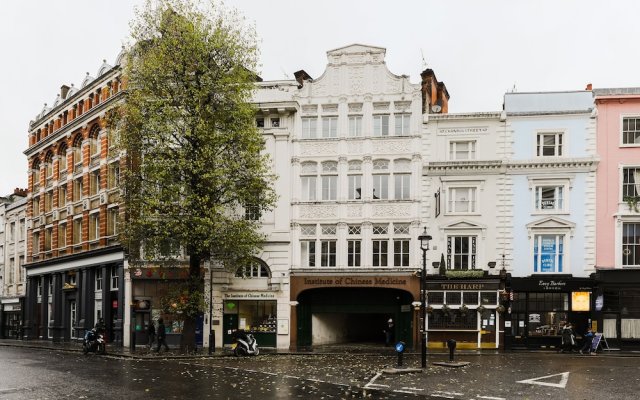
(20, 192)
(589, 87)
(64, 89)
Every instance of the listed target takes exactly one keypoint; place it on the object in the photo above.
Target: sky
(479, 49)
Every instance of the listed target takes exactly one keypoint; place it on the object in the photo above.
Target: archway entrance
(331, 316)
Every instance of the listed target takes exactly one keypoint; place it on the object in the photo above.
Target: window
(548, 253)
(113, 180)
(94, 226)
(549, 144)
(48, 234)
(253, 270)
(95, 142)
(12, 231)
(114, 278)
(308, 253)
(62, 235)
(630, 183)
(22, 227)
(62, 160)
(355, 126)
(403, 124)
(402, 186)
(20, 264)
(35, 173)
(308, 181)
(549, 198)
(77, 231)
(401, 253)
(462, 150)
(112, 221)
(98, 280)
(94, 182)
(380, 125)
(380, 246)
(62, 195)
(77, 189)
(461, 252)
(260, 122)
(309, 126)
(631, 130)
(462, 200)
(39, 287)
(355, 187)
(48, 166)
(353, 253)
(48, 201)
(36, 242)
(329, 127)
(380, 180)
(328, 253)
(77, 152)
(10, 278)
(329, 182)
(36, 206)
(631, 244)
(252, 212)
(275, 122)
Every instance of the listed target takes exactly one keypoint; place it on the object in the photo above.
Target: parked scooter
(244, 344)
(94, 342)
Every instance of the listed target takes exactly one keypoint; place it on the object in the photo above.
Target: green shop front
(254, 312)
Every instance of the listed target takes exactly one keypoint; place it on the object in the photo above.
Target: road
(46, 374)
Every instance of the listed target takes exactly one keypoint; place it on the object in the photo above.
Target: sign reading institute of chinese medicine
(580, 301)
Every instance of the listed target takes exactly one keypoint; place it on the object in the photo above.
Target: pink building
(617, 303)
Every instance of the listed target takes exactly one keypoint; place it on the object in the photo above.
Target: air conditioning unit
(85, 204)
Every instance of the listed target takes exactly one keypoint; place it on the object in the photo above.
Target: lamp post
(424, 246)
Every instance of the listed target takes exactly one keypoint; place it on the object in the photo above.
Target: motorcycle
(245, 345)
(93, 342)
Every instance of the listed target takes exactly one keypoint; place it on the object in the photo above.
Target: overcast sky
(480, 49)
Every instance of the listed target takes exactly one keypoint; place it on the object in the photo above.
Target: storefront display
(258, 317)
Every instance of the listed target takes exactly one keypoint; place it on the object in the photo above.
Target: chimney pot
(589, 87)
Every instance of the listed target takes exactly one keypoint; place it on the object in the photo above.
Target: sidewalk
(143, 353)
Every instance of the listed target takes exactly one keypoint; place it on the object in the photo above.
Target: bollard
(212, 341)
(451, 344)
(400, 351)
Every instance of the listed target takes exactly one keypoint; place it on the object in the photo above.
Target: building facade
(13, 252)
(617, 306)
(466, 195)
(74, 265)
(552, 169)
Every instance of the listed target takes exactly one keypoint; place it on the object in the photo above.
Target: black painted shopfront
(540, 306)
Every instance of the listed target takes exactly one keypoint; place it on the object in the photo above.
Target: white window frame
(402, 186)
(472, 202)
(404, 127)
(381, 125)
(404, 252)
(383, 251)
(636, 142)
(627, 188)
(94, 226)
(98, 282)
(354, 252)
(536, 255)
(636, 243)
(471, 255)
(114, 278)
(355, 125)
(308, 253)
(470, 152)
(329, 184)
(329, 127)
(328, 252)
(558, 146)
(309, 127)
(355, 184)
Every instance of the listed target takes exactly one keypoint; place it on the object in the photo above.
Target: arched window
(94, 141)
(62, 158)
(48, 165)
(36, 172)
(77, 151)
(255, 269)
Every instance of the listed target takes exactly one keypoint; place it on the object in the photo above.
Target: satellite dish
(436, 108)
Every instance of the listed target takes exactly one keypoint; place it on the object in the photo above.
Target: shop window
(489, 298)
(470, 298)
(453, 319)
(435, 297)
(454, 298)
(253, 316)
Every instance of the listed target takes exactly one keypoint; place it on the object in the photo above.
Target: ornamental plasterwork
(318, 211)
(392, 146)
(401, 105)
(354, 147)
(381, 106)
(355, 107)
(356, 80)
(317, 148)
(329, 108)
(310, 109)
(391, 210)
(354, 210)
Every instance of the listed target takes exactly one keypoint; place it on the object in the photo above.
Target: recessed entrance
(353, 316)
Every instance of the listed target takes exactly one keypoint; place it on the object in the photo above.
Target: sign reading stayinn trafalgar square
(464, 130)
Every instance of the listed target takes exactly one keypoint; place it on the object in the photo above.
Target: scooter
(94, 342)
(245, 345)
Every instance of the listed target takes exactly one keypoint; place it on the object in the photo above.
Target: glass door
(72, 319)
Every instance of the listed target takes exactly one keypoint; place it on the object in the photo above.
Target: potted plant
(500, 309)
(632, 202)
(464, 309)
(446, 310)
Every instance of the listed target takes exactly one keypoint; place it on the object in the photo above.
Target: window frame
(405, 125)
(471, 255)
(560, 255)
(309, 128)
(473, 205)
(558, 146)
(636, 132)
(329, 127)
(379, 125)
(355, 126)
(635, 242)
(471, 151)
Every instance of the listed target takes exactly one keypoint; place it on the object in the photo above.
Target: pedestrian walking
(587, 341)
(389, 333)
(568, 338)
(151, 333)
(162, 336)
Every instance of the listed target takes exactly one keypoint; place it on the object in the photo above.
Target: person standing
(588, 340)
(162, 336)
(389, 333)
(151, 333)
(568, 338)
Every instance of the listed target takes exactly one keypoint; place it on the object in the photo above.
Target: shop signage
(12, 307)
(552, 285)
(599, 302)
(580, 301)
(462, 286)
(465, 130)
(345, 281)
(548, 254)
(249, 296)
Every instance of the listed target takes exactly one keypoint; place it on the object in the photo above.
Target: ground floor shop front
(539, 307)
(11, 318)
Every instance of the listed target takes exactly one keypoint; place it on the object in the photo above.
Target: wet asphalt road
(45, 374)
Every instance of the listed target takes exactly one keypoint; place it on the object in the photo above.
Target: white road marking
(377, 385)
(411, 388)
(449, 393)
(291, 376)
(442, 395)
(535, 381)
(490, 398)
(373, 379)
(404, 391)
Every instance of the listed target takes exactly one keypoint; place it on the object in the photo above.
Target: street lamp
(424, 246)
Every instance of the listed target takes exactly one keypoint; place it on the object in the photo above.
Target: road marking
(535, 381)
(442, 395)
(377, 385)
(378, 375)
(404, 391)
(411, 388)
(490, 398)
(449, 393)
(291, 376)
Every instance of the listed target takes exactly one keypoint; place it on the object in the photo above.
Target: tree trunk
(188, 342)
